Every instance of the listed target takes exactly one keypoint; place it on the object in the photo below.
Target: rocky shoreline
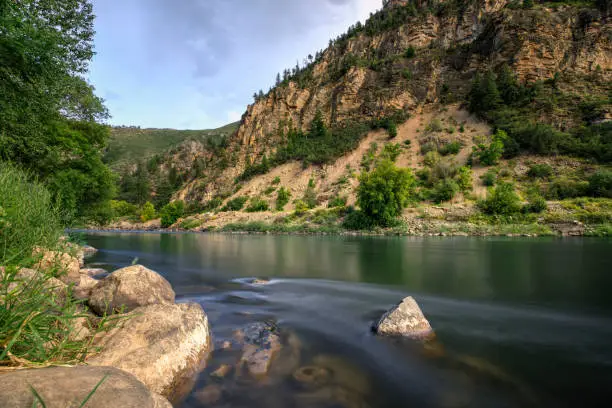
(152, 353)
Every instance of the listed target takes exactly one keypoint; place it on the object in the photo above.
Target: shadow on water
(519, 322)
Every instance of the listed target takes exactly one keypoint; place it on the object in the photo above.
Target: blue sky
(194, 64)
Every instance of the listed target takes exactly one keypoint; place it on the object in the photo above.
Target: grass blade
(92, 392)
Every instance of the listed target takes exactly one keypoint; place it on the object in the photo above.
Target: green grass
(28, 217)
(128, 144)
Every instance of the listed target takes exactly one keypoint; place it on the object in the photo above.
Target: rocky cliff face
(371, 74)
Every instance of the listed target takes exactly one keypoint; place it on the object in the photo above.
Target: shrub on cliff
(257, 205)
(600, 184)
(235, 204)
(147, 213)
(384, 192)
(171, 212)
(501, 200)
(282, 198)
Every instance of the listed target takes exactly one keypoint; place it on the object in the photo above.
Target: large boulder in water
(404, 319)
(163, 345)
(129, 288)
(69, 386)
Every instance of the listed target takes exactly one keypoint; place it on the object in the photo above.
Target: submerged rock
(129, 288)
(261, 345)
(404, 319)
(163, 345)
(69, 386)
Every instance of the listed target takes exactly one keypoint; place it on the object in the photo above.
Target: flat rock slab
(404, 319)
(129, 288)
(61, 387)
(163, 345)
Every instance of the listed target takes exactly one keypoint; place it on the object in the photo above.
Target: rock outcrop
(63, 264)
(129, 288)
(70, 386)
(163, 345)
(404, 319)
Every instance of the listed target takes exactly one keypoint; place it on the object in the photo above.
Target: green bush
(501, 200)
(235, 204)
(434, 126)
(357, 220)
(147, 213)
(310, 197)
(464, 178)
(410, 52)
(562, 188)
(450, 148)
(269, 190)
(489, 155)
(276, 180)
(535, 203)
(171, 212)
(337, 201)
(600, 184)
(122, 208)
(489, 178)
(28, 217)
(257, 205)
(282, 198)
(385, 191)
(431, 158)
(391, 151)
(444, 190)
(300, 207)
(540, 171)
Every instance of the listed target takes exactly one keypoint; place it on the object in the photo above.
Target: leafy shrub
(235, 204)
(357, 220)
(450, 148)
(431, 158)
(540, 171)
(147, 213)
(600, 184)
(489, 178)
(269, 190)
(562, 188)
(407, 142)
(391, 151)
(407, 74)
(337, 201)
(276, 180)
(434, 126)
(122, 208)
(410, 52)
(489, 155)
(27, 216)
(310, 197)
(535, 203)
(445, 190)
(300, 207)
(428, 147)
(385, 191)
(190, 223)
(501, 200)
(257, 205)
(464, 178)
(282, 198)
(171, 212)
(392, 129)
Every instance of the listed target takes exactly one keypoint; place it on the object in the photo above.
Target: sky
(195, 64)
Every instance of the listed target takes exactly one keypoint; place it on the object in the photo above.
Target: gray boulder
(69, 386)
(404, 319)
(163, 345)
(129, 288)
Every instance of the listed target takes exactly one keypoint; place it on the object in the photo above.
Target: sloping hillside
(129, 144)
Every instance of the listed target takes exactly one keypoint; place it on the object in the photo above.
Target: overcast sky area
(194, 64)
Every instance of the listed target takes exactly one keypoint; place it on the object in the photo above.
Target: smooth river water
(519, 322)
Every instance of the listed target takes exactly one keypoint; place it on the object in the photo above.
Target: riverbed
(519, 321)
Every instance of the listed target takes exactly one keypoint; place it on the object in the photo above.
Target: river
(519, 322)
